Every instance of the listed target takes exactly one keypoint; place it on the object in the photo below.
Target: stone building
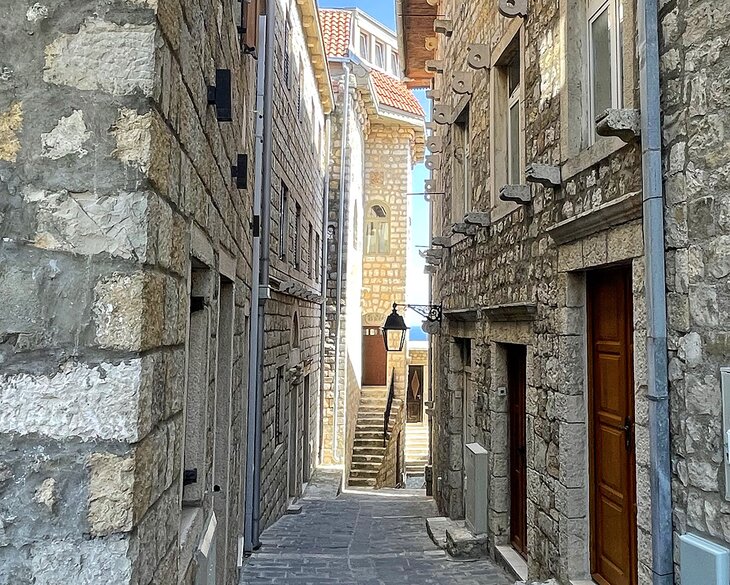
(367, 244)
(569, 279)
(125, 272)
(292, 301)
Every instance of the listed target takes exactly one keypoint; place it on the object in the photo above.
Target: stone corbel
(431, 125)
(626, 124)
(463, 82)
(464, 229)
(431, 186)
(432, 253)
(435, 144)
(517, 193)
(428, 269)
(431, 327)
(545, 175)
(435, 66)
(443, 27)
(441, 241)
(431, 44)
(433, 162)
(479, 57)
(433, 94)
(512, 8)
(478, 218)
(442, 114)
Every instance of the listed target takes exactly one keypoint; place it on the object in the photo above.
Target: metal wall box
(240, 171)
(702, 562)
(219, 95)
(476, 484)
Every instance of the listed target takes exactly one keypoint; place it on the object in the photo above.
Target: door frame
(512, 351)
(590, 411)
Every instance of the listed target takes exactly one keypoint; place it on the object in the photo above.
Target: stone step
(368, 450)
(361, 482)
(364, 434)
(356, 473)
(359, 459)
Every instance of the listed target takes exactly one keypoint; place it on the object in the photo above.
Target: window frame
(395, 63)
(462, 170)
(514, 100)
(279, 423)
(372, 230)
(365, 45)
(380, 60)
(287, 51)
(297, 236)
(283, 222)
(616, 16)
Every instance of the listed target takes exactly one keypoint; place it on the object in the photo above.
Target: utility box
(703, 562)
(476, 485)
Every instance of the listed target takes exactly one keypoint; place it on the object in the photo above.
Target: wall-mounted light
(395, 328)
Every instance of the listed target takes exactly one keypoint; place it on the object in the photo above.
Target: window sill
(585, 159)
(191, 529)
(513, 560)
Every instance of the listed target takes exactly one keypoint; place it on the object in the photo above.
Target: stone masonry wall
(299, 159)
(114, 171)
(695, 85)
(516, 261)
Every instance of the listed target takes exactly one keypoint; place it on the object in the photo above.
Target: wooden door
(374, 357)
(293, 451)
(612, 461)
(415, 394)
(517, 388)
(307, 442)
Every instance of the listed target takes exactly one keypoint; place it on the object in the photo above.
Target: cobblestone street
(360, 538)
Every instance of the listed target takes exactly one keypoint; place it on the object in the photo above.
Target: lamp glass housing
(394, 331)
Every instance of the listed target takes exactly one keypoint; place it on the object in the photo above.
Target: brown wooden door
(415, 394)
(612, 461)
(517, 387)
(374, 358)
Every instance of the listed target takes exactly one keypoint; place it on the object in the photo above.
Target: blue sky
(417, 289)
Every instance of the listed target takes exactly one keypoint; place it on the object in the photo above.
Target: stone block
(83, 562)
(573, 445)
(111, 494)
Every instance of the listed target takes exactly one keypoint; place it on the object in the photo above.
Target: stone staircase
(416, 448)
(369, 451)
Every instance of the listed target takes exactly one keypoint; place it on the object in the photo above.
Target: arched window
(377, 231)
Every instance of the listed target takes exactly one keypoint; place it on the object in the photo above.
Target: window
(605, 67)
(317, 258)
(283, 221)
(365, 46)
(299, 90)
(514, 169)
(507, 143)
(280, 391)
(461, 170)
(295, 332)
(395, 64)
(379, 55)
(298, 237)
(377, 233)
(312, 251)
(287, 53)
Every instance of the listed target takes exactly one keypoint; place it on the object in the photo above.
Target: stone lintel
(464, 229)
(463, 315)
(443, 26)
(616, 212)
(479, 56)
(478, 218)
(441, 241)
(512, 8)
(545, 175)
(511, 312)
(517, 193)
(625, 124)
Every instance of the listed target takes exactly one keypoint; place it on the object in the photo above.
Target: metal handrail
(388, 408)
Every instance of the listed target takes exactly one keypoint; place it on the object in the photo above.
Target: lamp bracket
(431, 313)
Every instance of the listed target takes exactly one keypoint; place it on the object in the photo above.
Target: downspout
(655, 289)
(323, 276)
(265, 104)
(340, 243)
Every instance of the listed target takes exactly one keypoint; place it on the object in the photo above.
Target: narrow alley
(360, 538)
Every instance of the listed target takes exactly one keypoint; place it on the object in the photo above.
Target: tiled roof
(394, 93)
(337, 31)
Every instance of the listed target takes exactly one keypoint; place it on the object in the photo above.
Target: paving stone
(360, 538)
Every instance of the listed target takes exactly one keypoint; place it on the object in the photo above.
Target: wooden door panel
(612, 464)
(517, 385)
(374, 358)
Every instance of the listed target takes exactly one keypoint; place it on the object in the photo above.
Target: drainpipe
(324, 272)
(340, 243)
(655, 285)
(262, 248)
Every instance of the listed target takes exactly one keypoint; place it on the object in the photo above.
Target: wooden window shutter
(251, 9)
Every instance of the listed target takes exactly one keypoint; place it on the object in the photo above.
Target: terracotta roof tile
(394, 93)
(337, 31)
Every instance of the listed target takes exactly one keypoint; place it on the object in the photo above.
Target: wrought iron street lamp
(395, 328)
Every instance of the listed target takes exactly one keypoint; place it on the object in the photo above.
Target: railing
(388, 408)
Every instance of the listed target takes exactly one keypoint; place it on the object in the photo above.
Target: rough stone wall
(351, 291)
(516, 260)
(387, 180)
(299, 164)
(393, 466)
(109, 154)
(695, 82)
